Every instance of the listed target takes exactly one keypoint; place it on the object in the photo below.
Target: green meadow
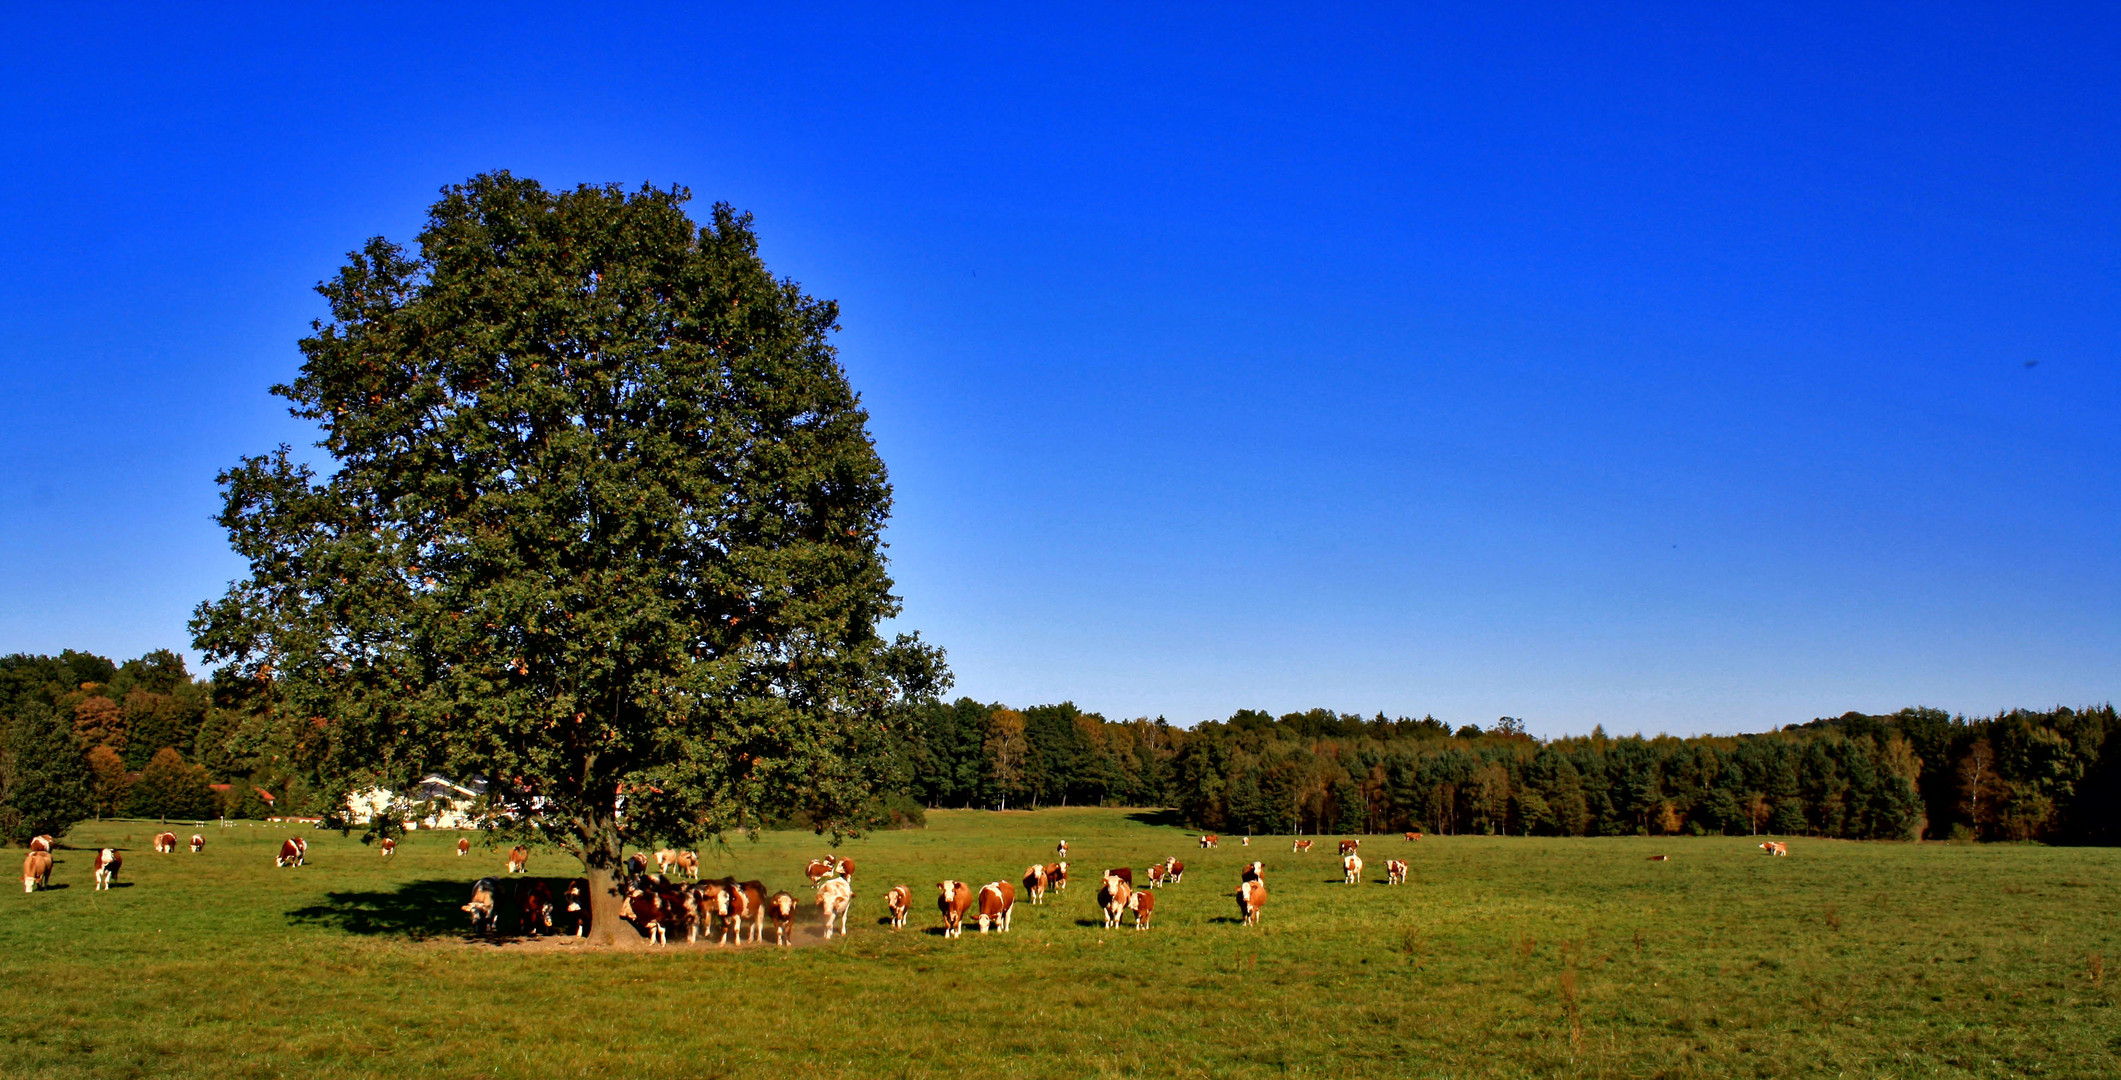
(1502, 957)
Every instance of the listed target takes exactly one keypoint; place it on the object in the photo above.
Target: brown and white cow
(689, 864)
(739, 902)
(1035, 883)
(954, 899)
(1060, 850)
(198, 843)
(997, 902)
(1112, 897)
(1154, 875)
(818, 870)
(575, 902)
(844, 868)
(40, 843)
(1395, 871)
(780, 907)
(1301, 846)
(1413, 836)
(1251, 896)
(534, 906)
(1057, 876)
(1143, 905)
(664, 860)
(1253, 871)
(1124, 873)
(636, 864)
(292, 852)
(484, 907)
(36, 871)
(835, 898)
(1208, 840)
(1775, 847)
(645, 909)
(1174, 871)
(518, 859)
(1246, 842)
(165, 843)
(389, 846)
(463, 847)
(1347, 847)
(895, 903)
(1351, 868)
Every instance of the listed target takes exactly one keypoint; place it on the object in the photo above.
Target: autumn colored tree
(108, 780)
(99, 721)
(171, 788)
(603, 523)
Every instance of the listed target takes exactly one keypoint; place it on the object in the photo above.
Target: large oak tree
(602, 524)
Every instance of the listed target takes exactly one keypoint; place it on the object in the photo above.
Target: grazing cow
(737, 903)
(781, 908)
(292, 851)
(895, 904)
(36, 871)
(955, 899)
(485, 894)
(1060, 850)
(818, 870)
(689, 863)
(518, 859)
(1253, 871)
(165, 843)
(40, 843)
(1155, 875)
(1347, 847)
(997, 901)
(1395, 872)
(389, 846)
(1413, 836)
(1208, 840)
(835, 898)
(1112, 896)
(1035, 883)
(575, 902)
(1124, 873)
(1143, 905)
(664, 860)
(1057, 876)
(1775, 847)
(1351, 868)
(1660, 858)
(1251, 896)
(534, 905)
(1302, 846)
(463, 847)
(1174, 871)
(1246, 842)
(198, 843)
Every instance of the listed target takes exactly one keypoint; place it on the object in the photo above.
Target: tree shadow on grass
(418, 910)
(1168, 819)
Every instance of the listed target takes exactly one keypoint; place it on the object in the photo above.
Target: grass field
(1502, 957)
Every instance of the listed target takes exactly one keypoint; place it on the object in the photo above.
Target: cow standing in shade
(534, 905)
(484, 905)
(575, 902)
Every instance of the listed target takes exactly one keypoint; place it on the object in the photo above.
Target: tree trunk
(601, 851)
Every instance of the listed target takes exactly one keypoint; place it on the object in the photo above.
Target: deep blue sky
(1691, 370)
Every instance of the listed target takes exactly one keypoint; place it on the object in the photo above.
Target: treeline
(2023, 775)
(82, 735)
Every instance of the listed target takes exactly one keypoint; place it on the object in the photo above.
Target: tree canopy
(603, 525)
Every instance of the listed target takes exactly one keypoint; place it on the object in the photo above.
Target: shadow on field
(418, 910)
(1168, 819)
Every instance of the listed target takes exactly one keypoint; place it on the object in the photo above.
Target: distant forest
(2053, 776)
(153, 741)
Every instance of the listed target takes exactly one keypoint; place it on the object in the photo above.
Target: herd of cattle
(673, 898)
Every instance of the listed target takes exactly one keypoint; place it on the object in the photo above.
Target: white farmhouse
(436, 802)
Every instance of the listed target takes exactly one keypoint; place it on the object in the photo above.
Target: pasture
(1501, 957)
